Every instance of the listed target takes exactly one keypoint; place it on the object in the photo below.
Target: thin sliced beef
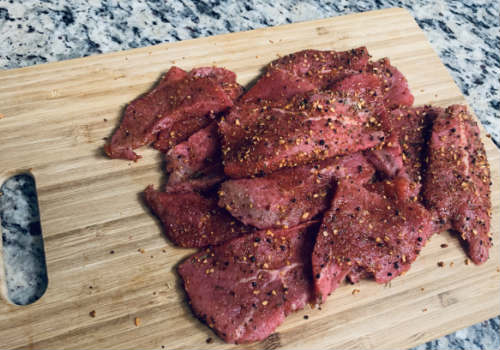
(366, 233)
(310, 128)
(290, 196)
(196, 161)
(289, 76)
(304, 71)
(379, 84)
(412, 128)
(387, 157)
(180, 131)
(191, 220)
(178, 96)
(457, 183)
(246, 287)
(395, 88)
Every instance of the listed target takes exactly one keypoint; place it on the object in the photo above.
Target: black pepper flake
(318, 276)
(306, 317)
(209, 340)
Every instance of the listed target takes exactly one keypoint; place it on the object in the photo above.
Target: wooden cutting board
(55, 118)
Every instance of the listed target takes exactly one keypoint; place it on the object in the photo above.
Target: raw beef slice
(457, 183)
(304, 71)
(195, 163)
(180, 131)
(177, 97)
(244, 288)
(311, 128)
(286, 77)
(290, 196)
(366, 233)
(191, 220)
(379, 84)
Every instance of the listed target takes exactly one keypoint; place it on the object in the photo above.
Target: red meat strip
(366, 233)
(314, 127)
(244, 288)
(180, 131)
(291, 75)
(304, 71)
(380, 83)
(178, 96)
(290, 196)
(196, 161)
(412, 128)
(191, 220)
(457, 183)
(395, 86)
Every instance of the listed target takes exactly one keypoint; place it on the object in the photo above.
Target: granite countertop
(465, 34)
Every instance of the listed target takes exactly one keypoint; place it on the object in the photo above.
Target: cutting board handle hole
(23, 276)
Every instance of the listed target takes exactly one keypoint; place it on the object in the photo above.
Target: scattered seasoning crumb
(140, 250)
(163, 346)
(440, 264)
(452, 263)
(498, 269)
(2, 116)
(444, 245)
(105, 119)
(90, 287)
(422, 289)
(467, 261)
(487, 135)
(355, 291)
(111, 252)
(151, 256)
(92, 313)
(306, 317)
(164, 250)
(137, 321)
(209, 340)
(424, 310)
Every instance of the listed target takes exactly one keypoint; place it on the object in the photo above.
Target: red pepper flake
(355, 291)
(440, 264)
(92, 313)
(137, 321)
(424, 310)
(467, 261)
(444, 245)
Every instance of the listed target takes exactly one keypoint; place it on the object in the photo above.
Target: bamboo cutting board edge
(121, 295)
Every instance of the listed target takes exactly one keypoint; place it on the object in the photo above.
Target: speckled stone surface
(465, 34)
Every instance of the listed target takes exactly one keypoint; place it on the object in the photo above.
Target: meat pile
(323, 170)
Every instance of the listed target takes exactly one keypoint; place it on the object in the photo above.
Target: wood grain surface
(56, 117)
